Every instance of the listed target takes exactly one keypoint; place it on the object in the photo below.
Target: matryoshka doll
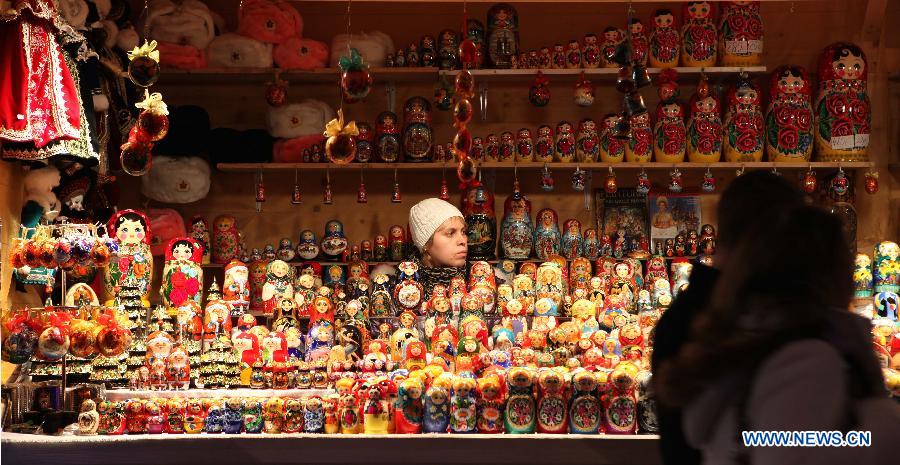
(492, 147)
(491, 393)
(789, 117)
(704, 127)
(524, 146)
(544, 145)
(502, 34)
(558, 57)
(409, 410)
(364, 149)
(307, 247)
(843, 110)
(639, 148)
(698, 35)
(200, 233)
(519, 416)
(591, 245)
(590, 52)
(571, 239)
(507, 146)
(182, 275)
(279, 285)
(387, 137)
(612, 150)
(475, 32)
(547, 238)
(226, 244)
(740, 34)
(665, 40)
(133, 262)
(380, 249)
(517, 231)
(437, 405)
(586, 409)
(612, 37)
(418, 136)
(235, 289)
(565, 142)
(640, 44)
(396, 243)
(553, 402)
(584, 92)
(448, 51)
(886, 268)
(573, 55)
(669, 142)
(744, 127)
(477, 151)
(463, 407)
(481, 223)
(587, 142)
(620, 403)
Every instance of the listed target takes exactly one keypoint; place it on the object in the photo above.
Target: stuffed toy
(299, 119)
(165, 224)
(297, 53)
(291, 150)
(181, 56)
(269, 21)
(40, 201)
(187, 22)
(176, 180)
(234, 51)
(374, 47)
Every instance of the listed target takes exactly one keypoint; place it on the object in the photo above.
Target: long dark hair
(776, 286)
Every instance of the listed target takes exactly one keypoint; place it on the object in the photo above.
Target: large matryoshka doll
(226, 240)
(665, 40)
(517, 236)
(789, 117)
(418, 136)
(842, 105)
(133, 262)
(481, 223)
(704, 127)
(502, 35)
(547, 238)
(698, 35)
(669, 143)
(740, 34)
(182, 278)
(236, 288)
(744, 127)
(612, 149)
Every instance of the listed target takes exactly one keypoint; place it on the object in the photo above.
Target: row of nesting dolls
(520, 401)
(879, 275)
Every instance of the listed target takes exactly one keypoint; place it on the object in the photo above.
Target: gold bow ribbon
(146, 50)
(336, 127)
(153, 102)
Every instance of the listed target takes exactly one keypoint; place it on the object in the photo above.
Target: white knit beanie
(427, 216)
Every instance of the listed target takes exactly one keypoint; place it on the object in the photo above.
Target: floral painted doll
(698, 35)
(279, 285)
(740, 34)
(843, 110)
(744, 125)
(789, 117)
(669, 143)
(704, 128)
(665, 41)
(133, 262)
(547, 237)
(182, 275)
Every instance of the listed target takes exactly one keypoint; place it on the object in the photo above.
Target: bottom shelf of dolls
(222, 449)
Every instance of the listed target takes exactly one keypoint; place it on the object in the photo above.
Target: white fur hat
(427, 216)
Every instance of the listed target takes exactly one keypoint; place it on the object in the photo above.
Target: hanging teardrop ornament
(465, 84)
(675, 182)
(546, 179)
(143, 68)
(810, 183)
(840, 184)
(361, 195)
(356, 80)
(296, 197)
(709, 182)
(327, 199)
(153, 121)
(611, 186)
(136, 158)
(871, 181)
(340, 147)
(466, 170)
(445, 191)
(395, 194)
(260, 191)
(643, 184)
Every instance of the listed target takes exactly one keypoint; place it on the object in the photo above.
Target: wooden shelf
(597, 74)
(250, 167)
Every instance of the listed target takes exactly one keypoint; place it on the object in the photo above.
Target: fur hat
(176, 180)
(165, 224)
(181, 56)
(297, 53)
(232, 50)
(270, 22)
(186, 23)
(373, 46)
(299, 119)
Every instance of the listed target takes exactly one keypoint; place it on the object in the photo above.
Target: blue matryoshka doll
(307, 246)
(547, 238)
(334, 243)
(572, 240)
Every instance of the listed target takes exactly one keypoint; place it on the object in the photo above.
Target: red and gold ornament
(840, 184)
(356, 81)
(153, 122)
(611, 186)
(871, 182)
(276, 92)
(809, 182)
(143, 66)
(539, 92)
(340, 147)
(643, 184)
(709, 182)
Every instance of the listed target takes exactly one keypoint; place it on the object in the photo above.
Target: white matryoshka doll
(133, 262)
(182, 277)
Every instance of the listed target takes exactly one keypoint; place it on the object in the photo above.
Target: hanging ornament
(840, 184)
(296, 197)
(539, 93)
(327, 200)
(468, 53)
(445, 191)
(356, 81)
(361, 195)
(462, 113)
(135, 157)
(643, 184)
(546, 179)
(611, 186)
(871, 181)
(675, 182)
(153, 122)
(260, 191)
(584, 92)
(395, 194)
(276, 92)
(709, 182)
(340, 147)
(143, 69)
(465, 84)
(466, 170)
(809, 182)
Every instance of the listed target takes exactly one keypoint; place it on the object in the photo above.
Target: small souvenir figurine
(492, 148)
(565, 142)
(475, 32)
(572, 239)
(707, 239)
(375, 408)
(364, 149)
(665, 40)
(194, 416)
(178, 369)
(448, 52)
(680, 245)
(704, 127)
(182, 274)
(591, 245)
(293, 416)
(547, 237)
(612, 37)
(843, 112)
(586, 409)
(639, 148)
(285, 250)
(477, 152)
(620, 404)
(524, 146)
(437, 405)
(740, 34)
(463, 409)
(544, 145)
(427, 53)
(156, 420)
(348, 412)
(412, 56)
(481, 223)
(789, 138)
(517, 236)
(580, 275)
(380, 250)
(397, 243)
(273, 418)
(558, 57)
(584, 92)
(886, 267)
(545, 59)
(234, 415)
(502, 35)
(573, 55)
(408, 412)
(507, 146)
(491, 394)
(590, 52)
(132, 263)
(670, 131)
(409, 293)
(418, 137)
(744, 127)
(553, 402)
(640, 43)
(400, 59)
(88, 419)
(612, 149)
(698, 35)
(200, 233)
(136, 417)
(519, 416)
(387, 138)
(587, 142)
(226, 240)
(279, 285)
(314, 415)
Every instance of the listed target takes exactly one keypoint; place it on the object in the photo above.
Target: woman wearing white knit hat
(439, 232)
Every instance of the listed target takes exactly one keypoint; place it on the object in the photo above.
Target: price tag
(743, 47)
(842, 142)
(861, 141)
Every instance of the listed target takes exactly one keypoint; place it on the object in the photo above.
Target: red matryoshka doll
(612, 150)
(502, 35)
(744, 128)
(553, 402)
(620, 403)
(789, 117)
(236, 289)
(524, 146)
(507, 146)
(182, 276)
(573, 55)
(409, 410)
(247, 349)
(740, 34)
(279, 285)
(669, 142)
(226, 245)
(612, 37)
(639, 148)
(492, 147)
(491, 398)
(131, 267)
(590, 52)
(396, 243)
(565, 142)
(200, 233)
(665, 40)
(544, 145)
(477, 152)
(387, 137)
(418, 136)
(698, 35)
(842, 106)
(640, 43)
(547, 238)
(587, 142)
(704, 127)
